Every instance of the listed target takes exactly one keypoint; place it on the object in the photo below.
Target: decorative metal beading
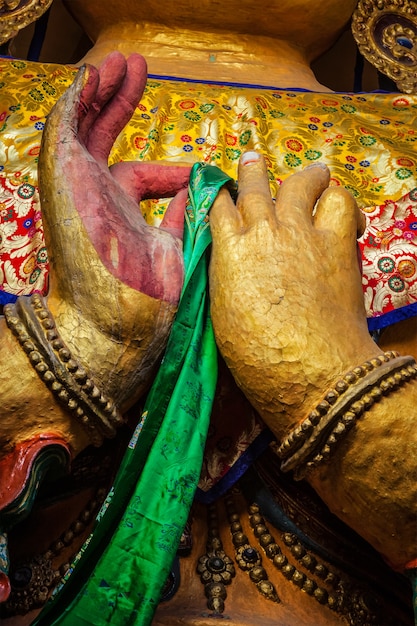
(314, 440)
(247, 557)
(17, 14)
(386, 34)
(215, 568)
(33, 324)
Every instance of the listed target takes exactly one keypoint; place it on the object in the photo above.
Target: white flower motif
(7, 230)
(26, 245)
(13, 284)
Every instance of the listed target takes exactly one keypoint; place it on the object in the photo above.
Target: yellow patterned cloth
(368, 141)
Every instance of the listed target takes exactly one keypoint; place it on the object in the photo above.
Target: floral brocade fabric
(368, 141)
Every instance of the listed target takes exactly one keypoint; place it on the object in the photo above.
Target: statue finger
(254, 200)
(111, 74)
(337, 211)
(298, 195)
(225, 220)
(173, 220)
(69, 111)
(118, 110)
(149, 179)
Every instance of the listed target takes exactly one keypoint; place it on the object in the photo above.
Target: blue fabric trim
(279, 518)
(237, 470)
(6, 298)
(201, 81)
(403, 313)
(254, 488)
(224, 83)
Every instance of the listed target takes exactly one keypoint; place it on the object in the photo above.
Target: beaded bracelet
(312, 441)
(33, 324)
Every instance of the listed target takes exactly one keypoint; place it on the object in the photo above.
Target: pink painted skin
(146, 258)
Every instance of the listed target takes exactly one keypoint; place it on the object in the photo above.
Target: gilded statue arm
(115, 281)
(289, 319)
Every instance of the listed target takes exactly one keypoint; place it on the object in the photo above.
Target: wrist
(369, 481)
(60, 370)
(314, 440)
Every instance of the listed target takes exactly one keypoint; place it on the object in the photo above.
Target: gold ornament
(17, 14)
(386, 34)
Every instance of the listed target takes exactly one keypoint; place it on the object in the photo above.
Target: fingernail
(250, 157)
(318, 164)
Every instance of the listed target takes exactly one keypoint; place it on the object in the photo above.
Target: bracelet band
(312, 441)
(33, 324)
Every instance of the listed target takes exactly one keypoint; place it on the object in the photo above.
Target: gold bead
(28, 346)
(314, 417)
(332, 396)
(41, 367)
(339, 429)
(341, 386)
(35, 357)
(49, 377)
(350, 378)
(65, 355)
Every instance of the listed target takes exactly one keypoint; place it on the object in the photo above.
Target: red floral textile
(389, 257)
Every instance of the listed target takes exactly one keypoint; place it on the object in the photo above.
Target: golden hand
(286, 294)
(115, 280)
(289, 319)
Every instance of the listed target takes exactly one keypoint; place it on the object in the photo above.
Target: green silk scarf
(119, 575)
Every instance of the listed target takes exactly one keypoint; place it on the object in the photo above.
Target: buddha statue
(224, 87)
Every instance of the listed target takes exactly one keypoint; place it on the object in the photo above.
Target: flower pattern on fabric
(389, 260)
(27, 93)
(23, 263)
(368, 142)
